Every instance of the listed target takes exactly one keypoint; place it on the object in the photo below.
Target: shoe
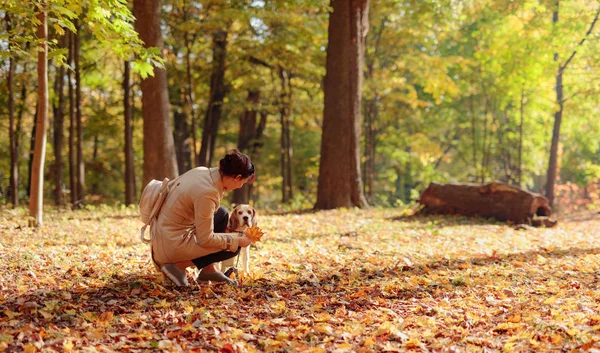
(215, 277)
(175, 275)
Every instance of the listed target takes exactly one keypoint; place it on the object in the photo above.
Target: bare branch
(564, 66)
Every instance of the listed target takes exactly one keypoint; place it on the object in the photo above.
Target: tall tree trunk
(474, 137)
(19, 127)
(94, 189)
(130, 194)
(59, 132)
(159, 148)
(340, 183)
(180, 136)
(371, 113)
(285, 100)
(553, 161)
(78, 111)
(190, 97)
(249, 141)
(13, 189)
(371, 110)
(72, 123)
(217, 94)
(36, 199)
(32, 149)
(520, 158)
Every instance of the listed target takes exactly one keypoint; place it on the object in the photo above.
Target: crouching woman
(190, 228)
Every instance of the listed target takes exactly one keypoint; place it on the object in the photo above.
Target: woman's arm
(204, 210)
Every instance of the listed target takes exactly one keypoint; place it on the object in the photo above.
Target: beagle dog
(241, 218)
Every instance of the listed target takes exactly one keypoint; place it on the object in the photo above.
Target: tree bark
(553, 161)
(215, 103)
(32, 149)
(72, 124)
(190, 97)
(19, 127)
(36, 199)
(159, 149)
(13, 189)
(520, 158)
(497, 200)
(371, 113)
(340, 183)
(80, 167)
(130, 192)
(180, 136)
(59, 135)
(249, 141)
(285, 99)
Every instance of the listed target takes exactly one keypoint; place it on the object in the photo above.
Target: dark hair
(236, 163)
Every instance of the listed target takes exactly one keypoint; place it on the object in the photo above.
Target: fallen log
(496, 200)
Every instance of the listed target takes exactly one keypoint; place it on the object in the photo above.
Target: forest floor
(331, 281)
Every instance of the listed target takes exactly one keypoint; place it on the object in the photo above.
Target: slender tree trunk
(36, 199)
(217, 94)
(520, 158)
(340, 182)
(190, 96)
(13, 189)
(78, 111)
(19, 128)
(32, 149)
(159, 148)
(553, 162)
(59, 135)
(180, 136)
(370, 146)
(94, 165)
(249, 139)
(130, 194)
(371, 110)
(474, 137)
(285, 98)
(72, 124)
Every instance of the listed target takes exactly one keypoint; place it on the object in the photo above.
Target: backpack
(151, 201)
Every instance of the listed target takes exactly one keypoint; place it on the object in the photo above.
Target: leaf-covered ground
(334, 281)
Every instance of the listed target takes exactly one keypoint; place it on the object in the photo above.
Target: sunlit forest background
(453, 91)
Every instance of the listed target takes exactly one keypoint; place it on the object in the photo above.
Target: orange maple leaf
(254, 233)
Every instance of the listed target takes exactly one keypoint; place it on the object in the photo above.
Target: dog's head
(242, 217)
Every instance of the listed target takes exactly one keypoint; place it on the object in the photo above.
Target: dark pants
(220, 224)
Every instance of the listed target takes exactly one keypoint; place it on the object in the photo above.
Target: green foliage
(463, 91)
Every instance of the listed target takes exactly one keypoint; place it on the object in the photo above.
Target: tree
(340, 183)
(218, 90)
(72, 123)
(558, 114)
(36, 198)
(130, 193)
(159, 149)
(250, 135)
(14, 171)
(79, 162)
(285, 112)
(59, 111)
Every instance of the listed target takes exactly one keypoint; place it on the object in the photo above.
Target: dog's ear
(253, 215)
(233, 221)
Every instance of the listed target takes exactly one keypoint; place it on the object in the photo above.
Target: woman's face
(232, 183)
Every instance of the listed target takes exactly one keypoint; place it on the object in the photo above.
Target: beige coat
(184, 228)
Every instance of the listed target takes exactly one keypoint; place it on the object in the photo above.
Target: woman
(190, 228)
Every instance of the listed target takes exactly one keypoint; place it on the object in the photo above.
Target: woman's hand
(245, 241)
